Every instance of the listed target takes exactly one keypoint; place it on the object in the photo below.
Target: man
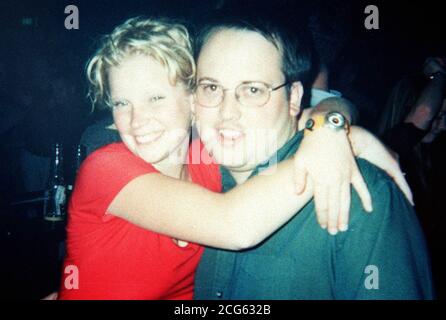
(381, 256)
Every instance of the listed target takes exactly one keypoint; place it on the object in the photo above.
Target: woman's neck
(175, 164)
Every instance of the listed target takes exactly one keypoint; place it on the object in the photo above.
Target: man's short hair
(166, 41)
(291, 39)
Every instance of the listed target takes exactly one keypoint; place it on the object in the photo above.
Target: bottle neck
(57, 171)
(80, 155)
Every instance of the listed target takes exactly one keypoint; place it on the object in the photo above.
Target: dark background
(42, 80)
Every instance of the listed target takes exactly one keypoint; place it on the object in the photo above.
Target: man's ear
(296, 94)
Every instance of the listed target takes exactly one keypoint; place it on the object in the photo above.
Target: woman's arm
(236, 220)
(327, 157)
(364, 145)
(251, 212)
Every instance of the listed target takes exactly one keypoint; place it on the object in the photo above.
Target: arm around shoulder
(236, 220)
(383, 255)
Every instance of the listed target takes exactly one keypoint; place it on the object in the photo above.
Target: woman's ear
(296, 94)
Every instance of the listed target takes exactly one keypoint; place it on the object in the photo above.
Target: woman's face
(439, 123)
(152, 115)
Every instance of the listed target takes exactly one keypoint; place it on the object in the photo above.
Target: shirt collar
(287, 151)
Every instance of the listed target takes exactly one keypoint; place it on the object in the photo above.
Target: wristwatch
(333, 120)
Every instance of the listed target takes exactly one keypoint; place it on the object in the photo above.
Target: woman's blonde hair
(165, 41)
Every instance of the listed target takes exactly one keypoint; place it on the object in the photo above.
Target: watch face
(335, 119)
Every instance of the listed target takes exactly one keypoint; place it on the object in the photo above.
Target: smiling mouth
(149, 138)
(230, 137)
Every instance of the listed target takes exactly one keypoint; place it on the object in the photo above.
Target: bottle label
(54, 205)
(59, 199)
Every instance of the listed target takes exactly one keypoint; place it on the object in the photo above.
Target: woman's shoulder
(114, 154)
(114, 159)
(112, 148)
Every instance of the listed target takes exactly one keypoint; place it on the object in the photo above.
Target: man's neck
(242, 176)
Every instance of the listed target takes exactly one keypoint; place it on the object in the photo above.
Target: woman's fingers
(52, 296)
(391, 166)
(398, 178)
(334, 205)
(321, 205)
(344, 211)
(361, 187)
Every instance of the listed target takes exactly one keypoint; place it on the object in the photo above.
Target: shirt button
(219, 294)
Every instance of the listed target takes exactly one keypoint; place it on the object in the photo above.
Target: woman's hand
(365, 145)
(325, 155)
(52, 296)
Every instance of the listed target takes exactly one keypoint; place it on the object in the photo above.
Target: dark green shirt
(382, 256)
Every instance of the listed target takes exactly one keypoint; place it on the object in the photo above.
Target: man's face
(241, 137)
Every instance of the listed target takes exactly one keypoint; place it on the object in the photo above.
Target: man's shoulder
(113, 158)
(375, 178)
(98, 135)
(389, 202)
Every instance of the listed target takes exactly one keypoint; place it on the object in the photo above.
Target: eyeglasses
(248, 94)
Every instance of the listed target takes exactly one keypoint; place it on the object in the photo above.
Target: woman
(145, 72)
(416, 114)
